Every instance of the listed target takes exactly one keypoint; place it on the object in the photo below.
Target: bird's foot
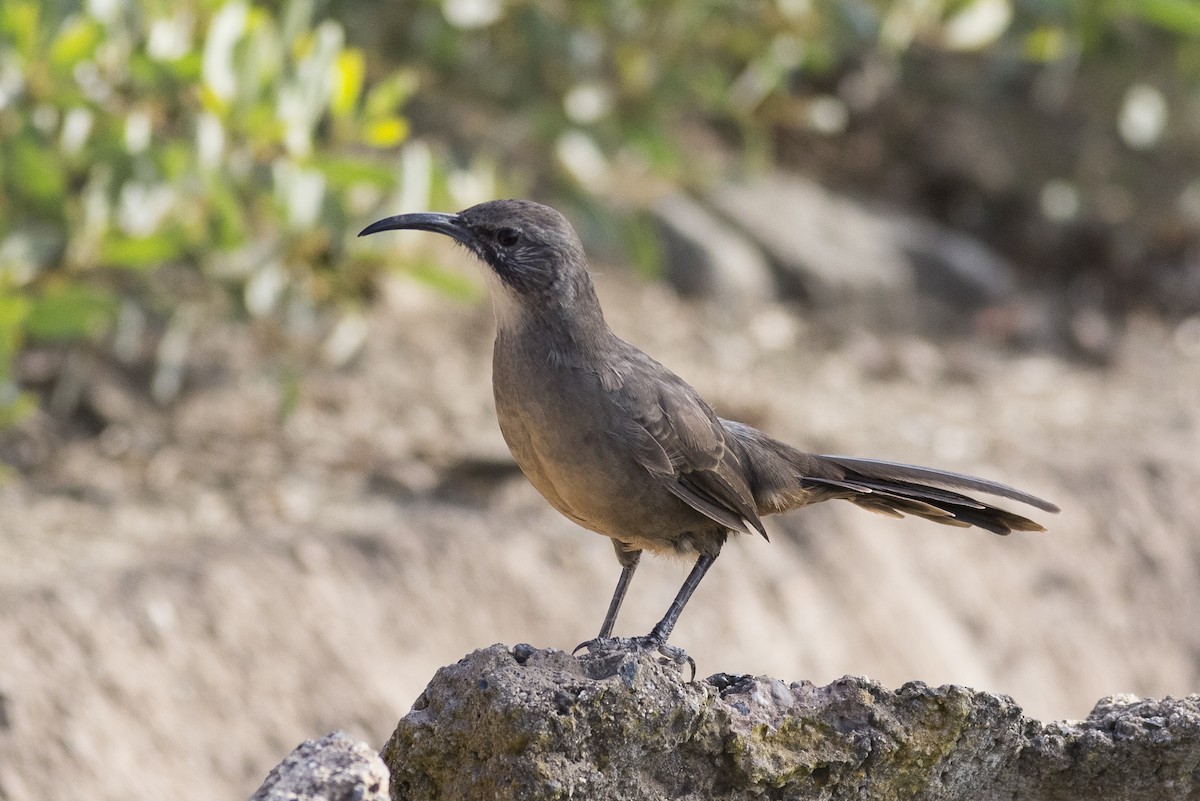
(647, 642)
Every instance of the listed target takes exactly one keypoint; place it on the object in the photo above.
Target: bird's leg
(662, 630)
(629, 563)
(657, 638)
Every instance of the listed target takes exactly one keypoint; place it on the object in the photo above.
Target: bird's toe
(646, 643)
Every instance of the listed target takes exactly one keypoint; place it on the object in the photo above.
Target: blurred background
(251, 484)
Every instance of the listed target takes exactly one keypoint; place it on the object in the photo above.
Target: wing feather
(674, 434)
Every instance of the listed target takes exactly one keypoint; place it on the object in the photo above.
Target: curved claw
(678, 656)
(606, 643)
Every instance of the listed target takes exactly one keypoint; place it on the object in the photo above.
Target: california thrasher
(624, 447)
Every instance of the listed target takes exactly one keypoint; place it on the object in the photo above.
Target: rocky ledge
(522, 723)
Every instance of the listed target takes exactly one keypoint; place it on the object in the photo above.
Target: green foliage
(1177, 16)
(14, 403)
(220, 138)
(243, 142)
(605, 95)
(612, 80)
(67, 311)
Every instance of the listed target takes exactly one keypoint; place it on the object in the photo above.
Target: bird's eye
(507, 237)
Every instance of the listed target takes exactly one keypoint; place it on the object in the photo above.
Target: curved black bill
(448, 224)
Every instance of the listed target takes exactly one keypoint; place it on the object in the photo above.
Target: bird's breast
(558, 421)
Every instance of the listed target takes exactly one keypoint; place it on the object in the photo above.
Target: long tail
(783, 478)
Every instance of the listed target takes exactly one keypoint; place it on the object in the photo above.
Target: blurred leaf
(1045, 43)
(141, 252)
(15, 406)
(444, 281)
(186, 68)
(386, 97)
(76, 41)
(348, 82)
(175, 160)
(302, 45)
(37, 171)
(19, 23)
(212, 102)
(386, 132)
(228, 215)
(14, 309)
(656, 145)
(344, 171)
(70, 311)
(1177, 16)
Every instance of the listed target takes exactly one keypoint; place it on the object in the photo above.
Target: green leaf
(437, 277)
(386, 97)
(37, 171)
(76, 41)
(175, 160)
(1177, 16)
(141, 252)
(385, 132)
(19, 25)
(70, 311)
(186, 68)
(1045, 43)
(342, 172)
(15, 406)
(13, 311)
(227, 215)
(347, 81)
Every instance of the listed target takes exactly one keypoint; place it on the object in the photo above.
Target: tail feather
(783, 478)
(877, 468)
(936, 505)
(903, 489)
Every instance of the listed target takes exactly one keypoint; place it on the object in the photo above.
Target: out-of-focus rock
(840, 253)
(832, 246)
(708, 258)
(522, 723)
(950, 265)
(334, 768)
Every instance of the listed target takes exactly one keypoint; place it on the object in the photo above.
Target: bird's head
(531, 249)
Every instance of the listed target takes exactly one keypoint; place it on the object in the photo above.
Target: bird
(624, 447)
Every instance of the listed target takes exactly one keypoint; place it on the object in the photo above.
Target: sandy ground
(196, 590)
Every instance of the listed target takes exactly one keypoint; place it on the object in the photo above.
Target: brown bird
(624, 447)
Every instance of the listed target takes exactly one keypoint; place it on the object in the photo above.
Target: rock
(839, 252)
(706, 257)
(333, 768)
(950, 265)
(541, 724)
(832, 247)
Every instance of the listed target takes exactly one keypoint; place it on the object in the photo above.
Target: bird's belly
(576, 465)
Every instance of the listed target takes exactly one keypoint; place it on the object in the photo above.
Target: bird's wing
(675, 435)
